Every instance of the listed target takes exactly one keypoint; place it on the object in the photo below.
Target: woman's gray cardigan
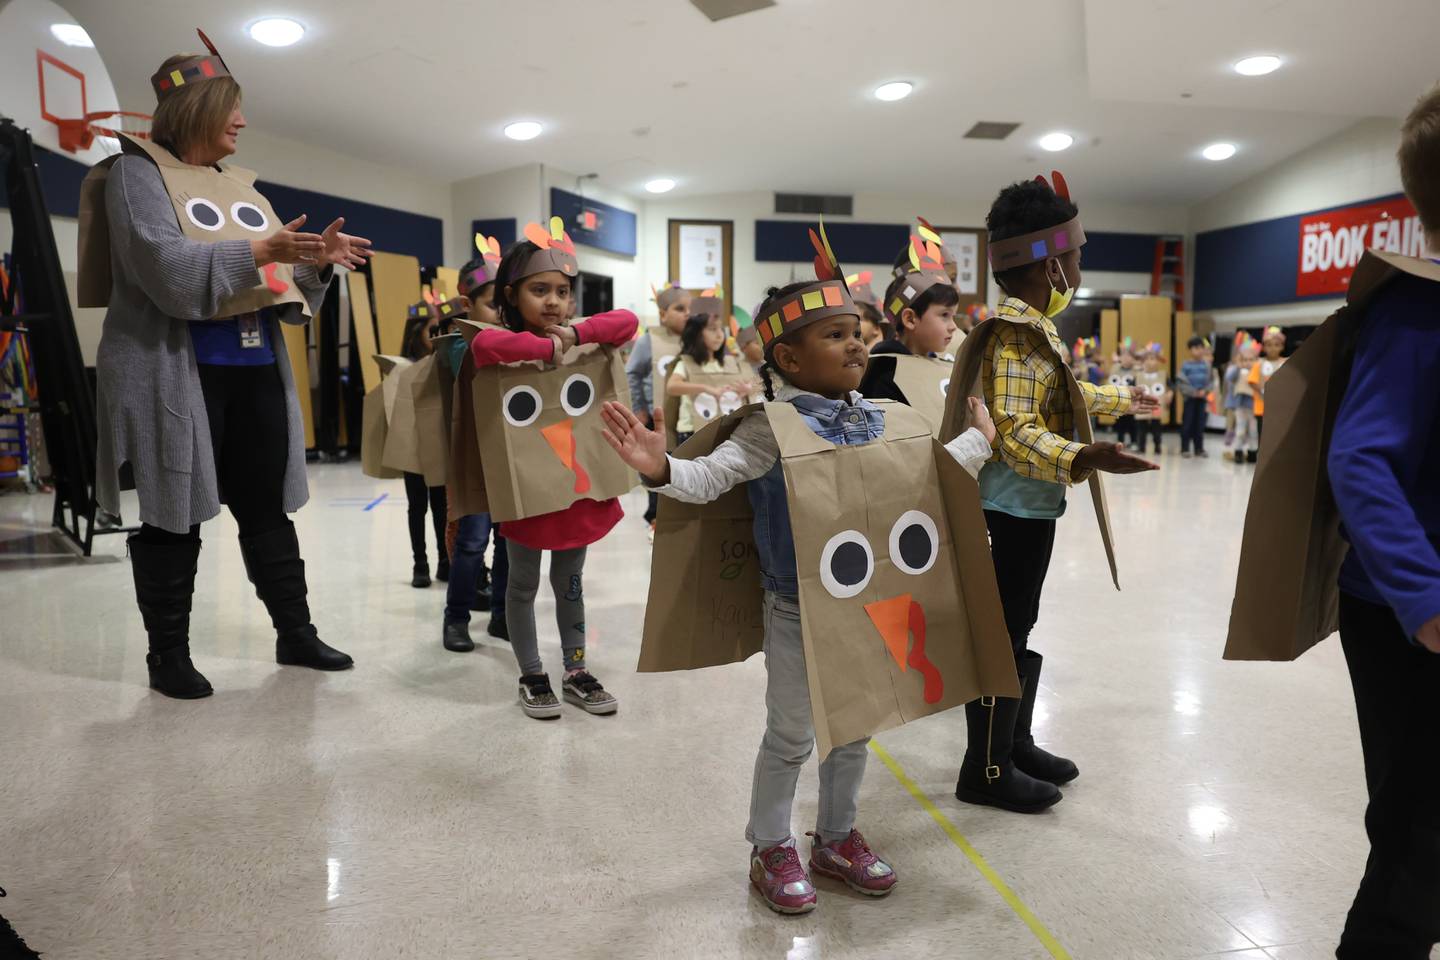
(151, 410)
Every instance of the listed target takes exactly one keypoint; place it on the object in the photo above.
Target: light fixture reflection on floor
(332, 879)
(1206, 822)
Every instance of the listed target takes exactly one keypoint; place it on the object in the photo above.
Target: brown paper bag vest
(418, 437)
(210, 205)
(900, 613)
(537, 428)
(706, 408)
(377, 412)
(969, 364)
(664, 351)
(923, 381)
(1286, 592)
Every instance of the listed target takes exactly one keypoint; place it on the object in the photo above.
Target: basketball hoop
(79, 133)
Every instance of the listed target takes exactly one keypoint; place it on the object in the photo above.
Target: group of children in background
(1240, 390)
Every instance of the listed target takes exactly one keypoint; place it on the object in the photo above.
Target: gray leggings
(566, 569)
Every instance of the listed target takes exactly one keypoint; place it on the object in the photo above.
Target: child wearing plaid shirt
(1035, 236)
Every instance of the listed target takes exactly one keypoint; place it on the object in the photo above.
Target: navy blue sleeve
(1386, 423)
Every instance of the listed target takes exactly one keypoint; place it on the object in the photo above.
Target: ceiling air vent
(991, 130)
(814, 204)
(725, 9)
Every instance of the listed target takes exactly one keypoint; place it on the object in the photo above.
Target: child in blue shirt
(1194, 386)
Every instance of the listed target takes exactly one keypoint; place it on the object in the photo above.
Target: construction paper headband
(487, 272)
(978, 312)
(1040, 244)
(666, 298)
(927, 270)
(1085, 348)
(1274, 332)
(1154, 347)
(827, 297)
(860, 291)
(709, 302)
(204, 67)
(926, 235)
(557, 251)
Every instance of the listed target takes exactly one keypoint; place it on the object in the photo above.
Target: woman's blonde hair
(195, 113)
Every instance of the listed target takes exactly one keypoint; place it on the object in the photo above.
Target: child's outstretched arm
(749, 453)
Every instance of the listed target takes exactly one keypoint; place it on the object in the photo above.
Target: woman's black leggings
(419, 497)
(250, 436)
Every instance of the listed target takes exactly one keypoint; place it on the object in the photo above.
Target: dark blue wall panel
(394, 231)
(787, 241)
(502, 229)
(614, 228)
(1254, 264)
(1119, 252)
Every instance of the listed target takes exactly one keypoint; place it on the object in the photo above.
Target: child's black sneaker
(585, 692)
(536, 697)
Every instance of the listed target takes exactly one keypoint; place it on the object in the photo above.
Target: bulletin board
(690, 252)
(395, 279)
(972, 276)
(363, 323)
(299, 350)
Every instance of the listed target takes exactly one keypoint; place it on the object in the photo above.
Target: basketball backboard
(44, 79)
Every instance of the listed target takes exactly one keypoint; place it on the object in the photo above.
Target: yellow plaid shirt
(1025, 390)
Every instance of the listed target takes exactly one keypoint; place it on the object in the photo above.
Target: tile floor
(409, 809)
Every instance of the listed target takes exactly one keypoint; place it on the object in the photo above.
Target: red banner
(1331, 243)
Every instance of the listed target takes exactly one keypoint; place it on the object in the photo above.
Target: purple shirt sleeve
(1386, 447)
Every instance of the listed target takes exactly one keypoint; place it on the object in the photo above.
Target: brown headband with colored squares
(557, 251)
(927, 269)
(206, 67)
(1040, 244)
(665, 298)
(860, 289)
(709, 302)
(486, 272)
(828, 297)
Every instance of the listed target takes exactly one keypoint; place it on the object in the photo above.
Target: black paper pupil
(849, 564)
(521, 406)
(915, 546)
(577, 395)
(205, 215)
(250, 217)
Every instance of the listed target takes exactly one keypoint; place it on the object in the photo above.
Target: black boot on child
(164, 584)
(272, 559)
(988, 774)
(1040, 764)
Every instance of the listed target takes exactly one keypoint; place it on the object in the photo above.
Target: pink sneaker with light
(850, 860)
(782, 882)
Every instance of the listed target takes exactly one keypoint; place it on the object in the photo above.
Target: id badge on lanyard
(251, 337)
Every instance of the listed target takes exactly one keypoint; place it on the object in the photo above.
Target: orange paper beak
(897, 619)
(561, 437)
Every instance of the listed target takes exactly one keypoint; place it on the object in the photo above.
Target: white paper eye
(664, 364)
(730, 401)
(914, 542)
(1115, 380)
(945, 387)
(249, 216)
(846, 564)
(204, 214)
(1158, 389)
(706, 406)
(521, 406)
(577, 395)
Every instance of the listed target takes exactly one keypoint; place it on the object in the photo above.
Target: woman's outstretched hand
(641, 448)
(289, 245)
(343, 249)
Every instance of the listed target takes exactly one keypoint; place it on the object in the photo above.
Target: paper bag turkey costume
(969, 363)
(706, 407)
(377, 412)
(1286, 594)
(899, 608)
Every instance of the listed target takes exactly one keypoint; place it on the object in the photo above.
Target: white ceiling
(780, 99)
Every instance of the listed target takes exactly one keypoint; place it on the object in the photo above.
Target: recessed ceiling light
(276, 31)
(661, 185)
(523, 130)
(894, 90)
(1056, 141)
(1257, 66)
(71, 34)
(1218, 151)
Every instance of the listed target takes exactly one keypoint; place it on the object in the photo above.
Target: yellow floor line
(956, 837)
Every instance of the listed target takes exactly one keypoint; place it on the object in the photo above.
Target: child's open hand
(642, 449)
(980, 418)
